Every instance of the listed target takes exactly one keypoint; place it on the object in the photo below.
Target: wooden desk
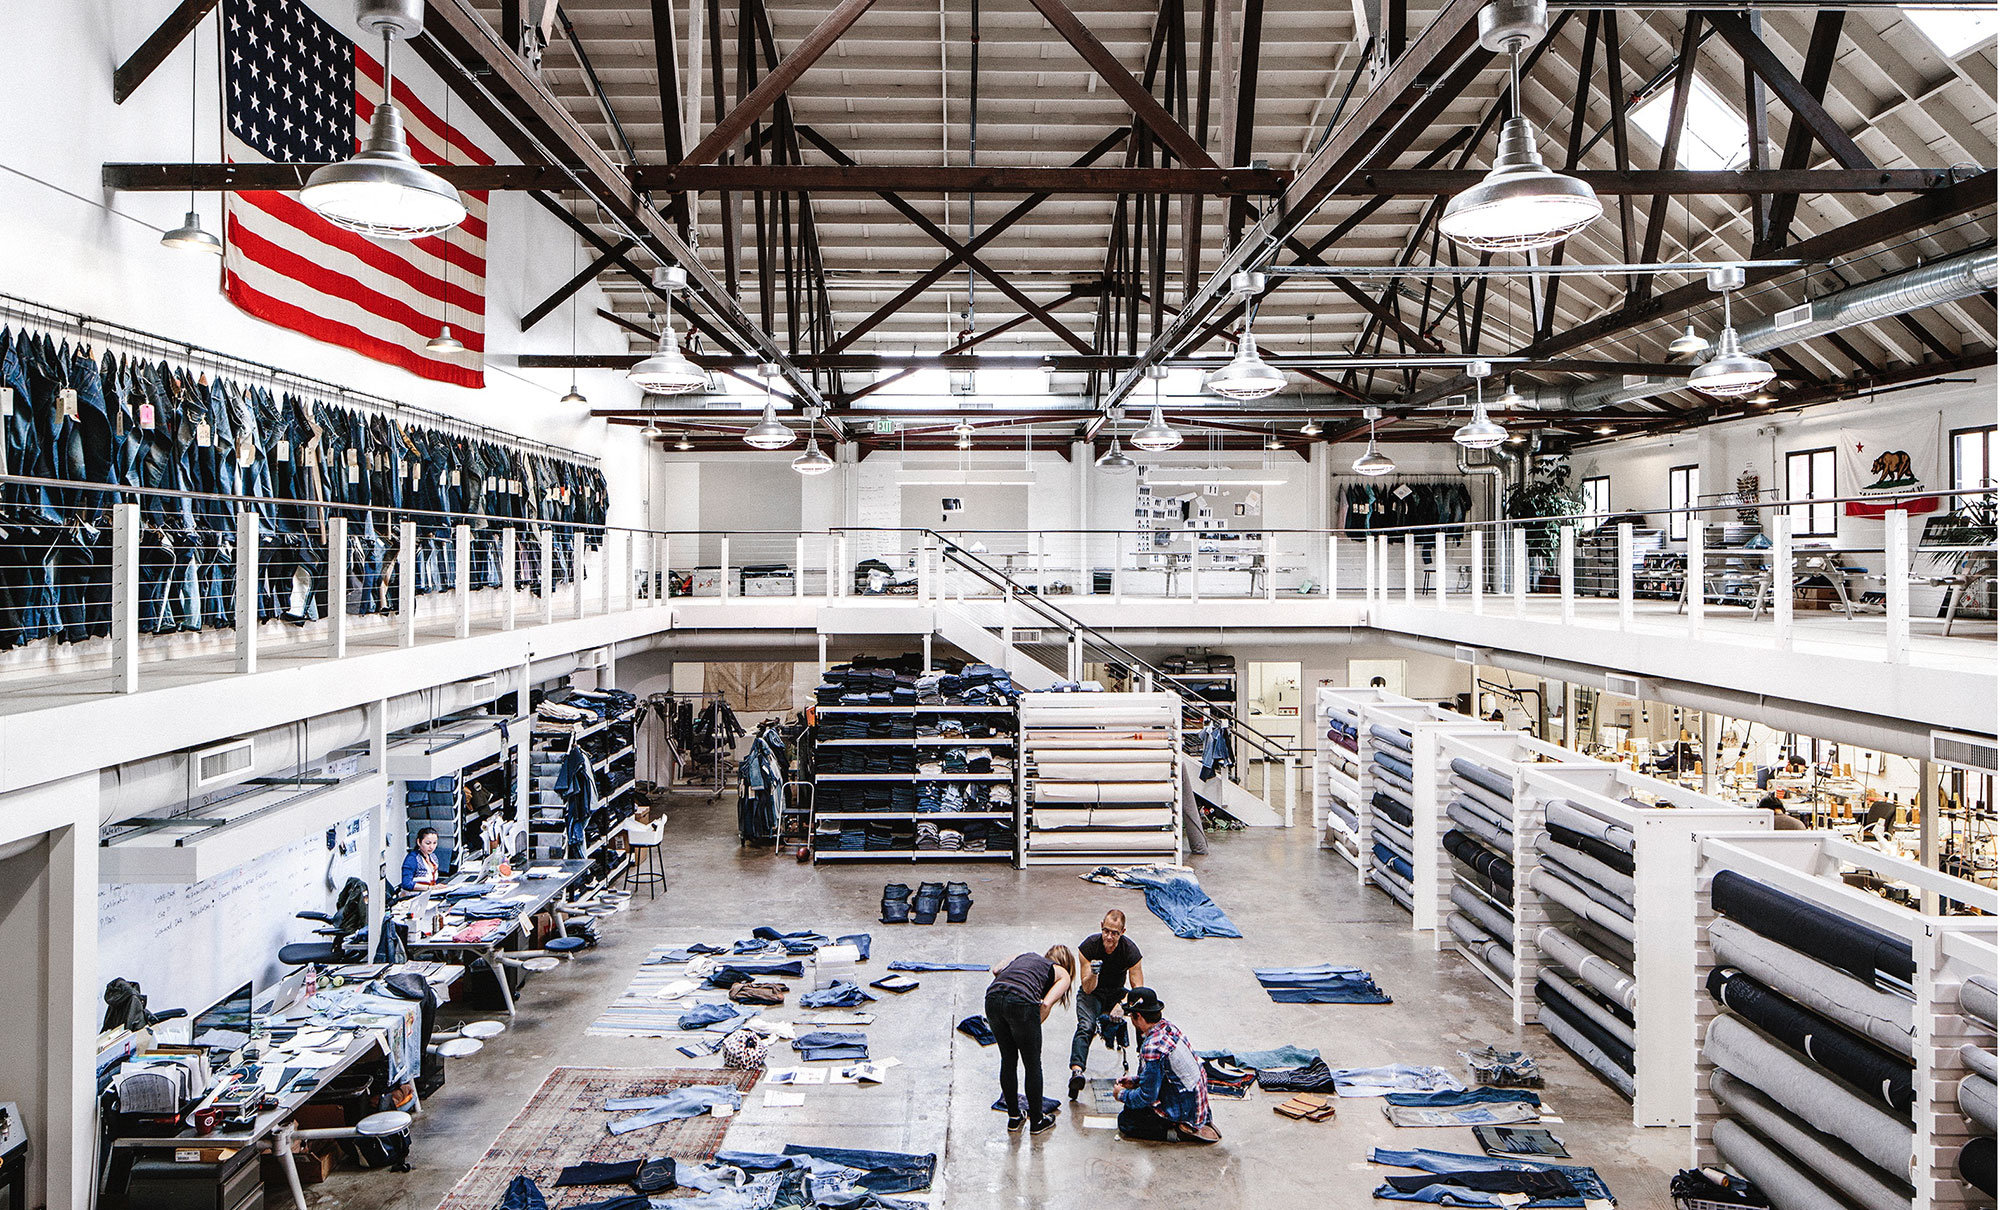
(533, 894)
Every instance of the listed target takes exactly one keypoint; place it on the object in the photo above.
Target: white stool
(374, 1126)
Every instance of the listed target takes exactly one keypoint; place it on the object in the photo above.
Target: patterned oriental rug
(564, 1124)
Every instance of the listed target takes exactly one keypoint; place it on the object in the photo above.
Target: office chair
(346, 930)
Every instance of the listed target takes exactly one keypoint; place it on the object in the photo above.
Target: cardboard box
(320, 1117)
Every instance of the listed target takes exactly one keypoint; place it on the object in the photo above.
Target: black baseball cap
(1144, 1000)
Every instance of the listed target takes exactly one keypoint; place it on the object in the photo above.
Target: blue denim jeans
(1588, 1183)
(669, 1107)
(1179, 900)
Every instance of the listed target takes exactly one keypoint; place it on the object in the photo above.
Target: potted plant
(1544, 500)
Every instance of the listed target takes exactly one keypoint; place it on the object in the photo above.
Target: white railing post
(1041, 561)
(1478, 572)
(246, 591)
(1625, 575)
(1409, 569)
(1694, 577)
(1566, 573)
(1332, 566)
(838, 582)
(546, 540)
(510, 550)
(1007, 623)
(1118, 568)
(1442, 571)
(1519, 546)
(336, 587)
(406, 584)
(1382, 553)
(1291, 787)
(926, 590)
(576, 552)
(125, 540)
(1368, 569)
(722, 571)
(1781, 579)
(658, 586)
(1896, 587)
(799, 569)
(1270, 566)
(606, 567)
(1076, 656)
(461, 570)
(632, 570)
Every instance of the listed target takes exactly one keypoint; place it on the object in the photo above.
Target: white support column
(1625, 575)
(461, 569)
(125, 539)
(577, 549)
(1442, 572)
(722, 572)
(1478, 572)
(510, 550)
(1332, 566)
(799, 569)
(336, 587)
(1409, 569)
(546, 543)
(1519, 545)
(247, 556)
(406, 584)
(1118, 568)
(1270, 566)
(1896, 582)
(1694, 577)
(1566, 573)
(1781, 579)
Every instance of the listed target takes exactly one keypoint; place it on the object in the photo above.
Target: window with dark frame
(1809, 476)
(1972, 459)
(1681, 482)
(1597, 496)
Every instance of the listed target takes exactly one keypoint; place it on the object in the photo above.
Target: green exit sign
(885, 427)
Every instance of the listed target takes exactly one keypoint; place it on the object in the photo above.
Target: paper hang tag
(354, 459)
(145, 412)
(1402, 491)
(282, 451)
(353, 475)
(204, 436)
(246, 452)
(67, 398)
(6, 401)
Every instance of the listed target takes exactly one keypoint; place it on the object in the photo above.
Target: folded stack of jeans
(831, 1044)
(927, 837)
(1322, 984)
(1225, 1080)
(841, 995)
(1463, 1107)
(1480, 1180)
(1313, 1077)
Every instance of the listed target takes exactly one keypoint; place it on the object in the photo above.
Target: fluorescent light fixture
(967, 481)
(1158, 480)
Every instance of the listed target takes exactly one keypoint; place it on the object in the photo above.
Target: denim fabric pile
(116, 421)
(902, 681)
(1321, 984)
(1449, 1179)
(955, 898)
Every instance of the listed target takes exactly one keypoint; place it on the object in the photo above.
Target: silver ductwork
(1929, 285)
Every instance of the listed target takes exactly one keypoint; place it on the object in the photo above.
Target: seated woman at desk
(421, 870)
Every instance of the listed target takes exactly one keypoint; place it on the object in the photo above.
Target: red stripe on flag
(297, 319)
(293, 213)
(417, 109)
(286, 263)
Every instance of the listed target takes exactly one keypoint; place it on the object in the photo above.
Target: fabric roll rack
(1409, 780)
(1344, 773)
(1100, 777)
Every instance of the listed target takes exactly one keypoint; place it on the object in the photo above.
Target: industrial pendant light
(444, 343)
(1479, 433)
(1373, 461)
(769, 433)
(1730, 372)
(668, 371)
(1687, 344)
(1114, 461)
(189, 236)
(682, 442)
(813, 461)
(575, 397)
(1520, 205)
(381, 191)
(1157, 435)
(1310, 428)
(1247, 376)
(1271, 442)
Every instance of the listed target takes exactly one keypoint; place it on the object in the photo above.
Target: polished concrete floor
(1295, 904)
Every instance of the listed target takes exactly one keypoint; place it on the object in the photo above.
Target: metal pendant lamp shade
(813, 461)
(444, 343)
(667, 371)
(189, 237)
(1114, 461)
(1310, 429)
(1157, 435)
(1687, 344)
(382, 191)
(1521, 204)
(1479, 433)
(575, 397)
(769, 433)
(1247, 376)
(1373, 461)
(683, 443)
(1731, 372)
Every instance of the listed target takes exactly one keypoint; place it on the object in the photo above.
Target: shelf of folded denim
(914, 815)
(1847, 1041)
(1344, 773)
(887, 708)
(1009, 776)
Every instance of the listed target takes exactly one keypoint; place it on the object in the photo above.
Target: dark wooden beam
(666, 62)
(1757, 137)
(1656, 216)
(1805, 106)
(753, 106)
(1821, 51)
(1148, 111)
(1242, 141)
(1412, 338)
(568, 289)
(158, 45)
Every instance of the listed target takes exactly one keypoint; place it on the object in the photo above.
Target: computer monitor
(224, 1025)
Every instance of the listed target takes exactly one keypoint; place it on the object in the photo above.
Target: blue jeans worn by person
(1016, 1022)
(1089, 1013)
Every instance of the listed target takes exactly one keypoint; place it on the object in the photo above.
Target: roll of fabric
(1576, 958)
(1480, 824)
(1775, 1175)
(1579, 862)
(1395, 885)
(1385, 856)
(1872, 1072)
(1487, 916)
(1822, 1102)
(1490, 865)
(1590, 1006)
(1497, 784)
(1812, 930)
(1394, 788)
(1976, 1096)
(1552, 1001)
(1832, 1160)
(1502, 807)
(1564, 813)
(1398, 811)
(1583, 1048)
(1576, 901)
(1390, 736)
(1482, 945)
(1399, 765)
(1480, 811)
(1612, 856)
(1389, 832)
(1975, 1165)
(1980, 1061)
(1979, 996)
(1345, 814)
(1827, 990)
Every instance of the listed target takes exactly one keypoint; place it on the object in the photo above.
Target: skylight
(1714, 138)
(1954, 31)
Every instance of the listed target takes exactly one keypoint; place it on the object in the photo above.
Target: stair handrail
(1038, 604)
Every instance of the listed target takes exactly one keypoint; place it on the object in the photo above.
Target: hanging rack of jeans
(1394, 501)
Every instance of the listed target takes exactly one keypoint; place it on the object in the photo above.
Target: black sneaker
(1043, 1125)
(1076, 1083)
(1014, 1123)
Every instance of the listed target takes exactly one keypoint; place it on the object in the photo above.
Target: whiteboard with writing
(188, 945)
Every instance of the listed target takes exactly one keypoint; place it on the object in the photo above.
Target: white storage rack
(1423, 726)
(1101, 781)
(1947, 949)
(1335, 784)
(1480, 910)
(1652, 983)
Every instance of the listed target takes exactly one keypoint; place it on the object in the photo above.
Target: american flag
(296, 89)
